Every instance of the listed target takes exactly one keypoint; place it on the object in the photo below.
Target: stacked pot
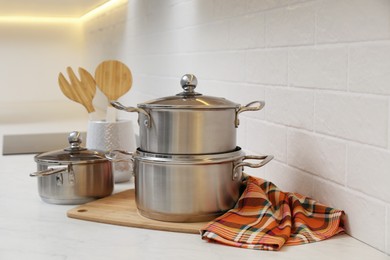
(188, 167)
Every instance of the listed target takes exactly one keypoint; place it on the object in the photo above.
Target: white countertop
(31, 229)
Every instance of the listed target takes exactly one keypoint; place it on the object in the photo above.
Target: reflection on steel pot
(189, 188)
(74, 175)
(189, 123)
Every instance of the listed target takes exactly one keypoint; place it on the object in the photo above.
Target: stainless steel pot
(189, 123)
(189, 188)
(74, 175)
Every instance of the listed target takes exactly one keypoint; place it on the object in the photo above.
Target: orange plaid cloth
(267, 218)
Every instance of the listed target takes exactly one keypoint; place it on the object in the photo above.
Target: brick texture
(321, 66)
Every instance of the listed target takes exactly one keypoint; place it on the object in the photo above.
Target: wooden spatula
(81, 91)
(114, 79)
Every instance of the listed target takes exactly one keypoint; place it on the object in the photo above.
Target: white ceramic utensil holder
(108, 136)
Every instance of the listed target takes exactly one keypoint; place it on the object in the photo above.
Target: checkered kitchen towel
(267, 218)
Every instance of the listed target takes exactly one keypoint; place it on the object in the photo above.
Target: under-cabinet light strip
(101, 8)
(44, 19)
(37, 19)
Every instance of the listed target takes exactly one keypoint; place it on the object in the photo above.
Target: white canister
(108, 136)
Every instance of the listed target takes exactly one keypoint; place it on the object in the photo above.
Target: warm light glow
(202, 101)
(101, 8)
(42, 19)
(37, 19)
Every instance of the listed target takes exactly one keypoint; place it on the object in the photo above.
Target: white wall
(321, 66)
(31, 56)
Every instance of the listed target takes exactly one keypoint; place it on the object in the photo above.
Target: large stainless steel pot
(189, 123)
(74, 175)
(189, 188)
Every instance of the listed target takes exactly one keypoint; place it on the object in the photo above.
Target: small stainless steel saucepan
(74, 175)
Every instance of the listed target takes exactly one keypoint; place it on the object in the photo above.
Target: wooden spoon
(114, 79)
(81, 91)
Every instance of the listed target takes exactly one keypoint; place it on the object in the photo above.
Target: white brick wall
(359, 118)
(266, 66)
(290, 26)
(368, 171)
(322, 67)
(291, 107)
(369, 68)
(318, 67)
(352, 21)
(317, 154)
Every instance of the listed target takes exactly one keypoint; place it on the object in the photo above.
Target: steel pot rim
(236, 154)
(67, 162)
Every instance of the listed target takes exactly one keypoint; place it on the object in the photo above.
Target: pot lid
(72, 154)
(189, 98)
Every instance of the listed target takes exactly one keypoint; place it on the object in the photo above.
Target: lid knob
(188, 82)
(74, 140)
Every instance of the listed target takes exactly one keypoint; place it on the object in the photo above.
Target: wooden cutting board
(120, 209)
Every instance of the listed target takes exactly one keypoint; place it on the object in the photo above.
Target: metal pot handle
(264, 160)
(252, 106)
(111, 156)
(48, 172)
(119, 106)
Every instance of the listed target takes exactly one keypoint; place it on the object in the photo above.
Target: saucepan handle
(264, 159)
(252, 106)
(119, 106)
(48, 172)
